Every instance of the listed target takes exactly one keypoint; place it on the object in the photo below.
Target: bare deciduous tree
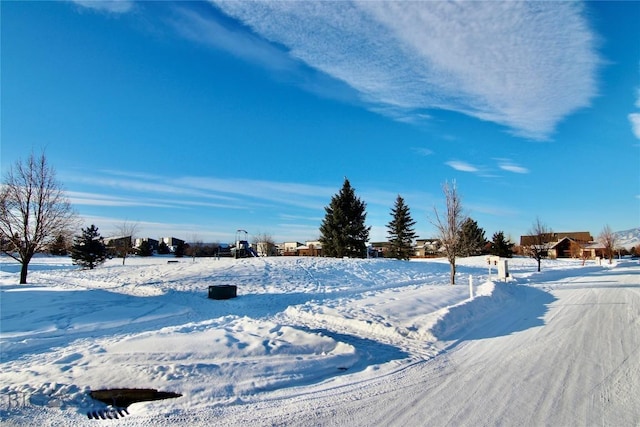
(608, 240)
(265, 244)
(449, 225)
(126, 236)
(537, 243)
(195, 247)
(34, 210)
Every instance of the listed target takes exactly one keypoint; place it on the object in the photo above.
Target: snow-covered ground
(319, 341)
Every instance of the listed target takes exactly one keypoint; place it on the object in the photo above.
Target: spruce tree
(163, 249)
(472, 240)
(500, 246)
(88, 249)
(343, 230)
(59, 246)
(180, 250)
(145, 249)
(400, 231)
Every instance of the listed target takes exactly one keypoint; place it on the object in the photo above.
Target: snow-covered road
(581, 367)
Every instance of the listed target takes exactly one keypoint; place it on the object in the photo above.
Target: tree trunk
(452, 279)
(539, 262)
(23, 272)
(25, 258)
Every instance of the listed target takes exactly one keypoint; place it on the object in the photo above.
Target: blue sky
(195, 119)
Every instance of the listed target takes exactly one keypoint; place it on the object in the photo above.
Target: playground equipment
(242, 248)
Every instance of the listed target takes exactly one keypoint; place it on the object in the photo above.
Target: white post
(470, 286)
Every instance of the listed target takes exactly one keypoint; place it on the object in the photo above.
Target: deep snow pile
(296, 322)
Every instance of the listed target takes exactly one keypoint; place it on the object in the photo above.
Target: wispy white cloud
(634, 118)
(205, 29)
(462, 166)
(209, 29)
(80, 198)
(283, 193)
(135, 189)
(423, 151)
(111, 6)
(144, 183)
(524, 65)
(510, 166)
(93, 199)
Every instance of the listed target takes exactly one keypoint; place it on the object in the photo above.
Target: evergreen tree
(88, 249)
(472, 240)
(343, 230)
(163, 249)
(59, 246)
(500, 246)
(181, 249)
(400, 231)
(145, 248)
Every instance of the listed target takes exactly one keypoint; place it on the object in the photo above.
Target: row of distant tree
(344, 233)
(35, 215)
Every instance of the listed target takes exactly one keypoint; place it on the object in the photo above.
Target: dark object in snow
(223, 291)
(123, 397)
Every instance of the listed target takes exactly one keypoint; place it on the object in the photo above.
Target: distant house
(310, 248)
(577, 236)
(117, 245)
(153, 243)
(564, 248)
(578, 244)
(593, 250)
(378, 249)
(171, 242)
(427, 248)
(288, 248)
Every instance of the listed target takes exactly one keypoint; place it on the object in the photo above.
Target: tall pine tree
(500, 246)
(88, 249)
(400, 231)
(472, 240)
(343, 230)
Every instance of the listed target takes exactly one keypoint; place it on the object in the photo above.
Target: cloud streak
(462, 166)
(523, 65)
(634, 118)
(503, 164)
(111, 6)
(509, 166)
(189, 191)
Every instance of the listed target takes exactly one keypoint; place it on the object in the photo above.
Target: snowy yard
(318, 341)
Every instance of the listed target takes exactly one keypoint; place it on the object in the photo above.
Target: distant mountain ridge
(628, 238)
